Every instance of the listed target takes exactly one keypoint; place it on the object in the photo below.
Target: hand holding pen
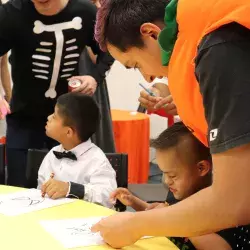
(43, 187)
(150, 99)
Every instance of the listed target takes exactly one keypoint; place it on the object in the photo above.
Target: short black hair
(80, 112)
(174, 136)
(119, 21)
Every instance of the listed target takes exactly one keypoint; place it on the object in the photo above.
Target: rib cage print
(41, 61)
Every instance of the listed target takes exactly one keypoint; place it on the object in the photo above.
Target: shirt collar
(81, 148)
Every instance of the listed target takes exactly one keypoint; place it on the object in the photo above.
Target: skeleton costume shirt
(45, 51)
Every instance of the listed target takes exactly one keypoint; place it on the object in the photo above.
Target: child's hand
(123, 195)
(156, 205)
(55, 189)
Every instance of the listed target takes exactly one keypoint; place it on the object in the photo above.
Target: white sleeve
(43, 170)
(163, 80)
(102, 183)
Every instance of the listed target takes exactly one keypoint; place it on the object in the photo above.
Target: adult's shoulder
(229, 33)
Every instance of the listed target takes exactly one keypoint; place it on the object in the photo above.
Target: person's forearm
(138, 204)
(223, 205)
(203, 213)
(5, 77)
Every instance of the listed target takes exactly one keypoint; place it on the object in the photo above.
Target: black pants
(23, 134)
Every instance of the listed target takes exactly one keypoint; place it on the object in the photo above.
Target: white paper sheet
(73, 233)
(27, 201)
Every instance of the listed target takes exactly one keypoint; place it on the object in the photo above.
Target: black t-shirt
(223, 72)
(45, 52)
(237, 238)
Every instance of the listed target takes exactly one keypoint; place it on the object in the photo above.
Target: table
(131, 131)
(24, 232)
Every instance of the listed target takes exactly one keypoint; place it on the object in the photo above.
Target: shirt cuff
(76, 190)
(69, 189)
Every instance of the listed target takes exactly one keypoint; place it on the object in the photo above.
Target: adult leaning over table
(204, 50)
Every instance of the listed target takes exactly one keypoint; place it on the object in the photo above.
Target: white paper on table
(27, 201)
(73, 233)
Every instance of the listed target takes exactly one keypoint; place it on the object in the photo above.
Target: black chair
(120, 164)
(2, 163)
(118, 161)
(34, 161)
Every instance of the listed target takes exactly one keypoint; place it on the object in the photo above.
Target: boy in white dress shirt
(79, 168)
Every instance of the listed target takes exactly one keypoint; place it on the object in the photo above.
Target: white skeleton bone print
(40, 61)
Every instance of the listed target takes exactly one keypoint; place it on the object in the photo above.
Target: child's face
(55, 127)
(182, 180)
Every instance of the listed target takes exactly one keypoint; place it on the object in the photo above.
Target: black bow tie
(64, 154)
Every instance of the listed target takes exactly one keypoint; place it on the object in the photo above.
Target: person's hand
(118, 230)
(4, 108)
(156, 102)
(148, 101)
(88, 86)
(167, 104)
(123, 195)
(55, 189)
(156, 205)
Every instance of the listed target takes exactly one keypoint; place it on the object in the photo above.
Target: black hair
(119, 21)
(172, 137)
(80, 112)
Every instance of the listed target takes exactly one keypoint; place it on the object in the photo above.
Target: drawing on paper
(23, 201)
(27, 201)
(84, 229)
(74, 232)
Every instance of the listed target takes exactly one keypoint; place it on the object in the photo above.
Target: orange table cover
(131, 130)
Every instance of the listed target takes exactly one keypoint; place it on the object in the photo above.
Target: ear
(204, 167)
(70, 132)
(150, 30)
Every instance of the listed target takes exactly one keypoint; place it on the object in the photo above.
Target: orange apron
(195, 19)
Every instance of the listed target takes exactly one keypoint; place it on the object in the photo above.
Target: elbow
(240, 211)
(242, 214)
(234, 208)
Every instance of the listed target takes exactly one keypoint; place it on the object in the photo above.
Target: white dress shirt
(91, 169)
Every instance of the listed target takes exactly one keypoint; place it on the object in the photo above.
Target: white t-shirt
(163, 80)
